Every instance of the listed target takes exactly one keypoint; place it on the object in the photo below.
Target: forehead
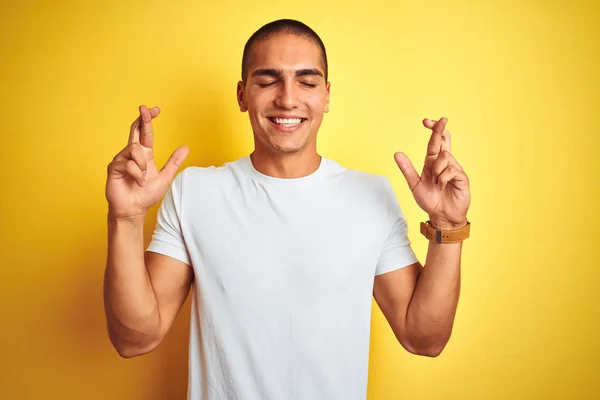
(285, 51)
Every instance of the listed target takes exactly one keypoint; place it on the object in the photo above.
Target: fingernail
(145, 173)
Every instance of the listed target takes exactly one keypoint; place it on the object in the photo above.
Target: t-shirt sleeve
(168, 238)
(397, 252)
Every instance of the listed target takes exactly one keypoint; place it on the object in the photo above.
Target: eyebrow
(278, 73)
(312, 71)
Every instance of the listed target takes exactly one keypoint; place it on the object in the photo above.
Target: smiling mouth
(287, 122)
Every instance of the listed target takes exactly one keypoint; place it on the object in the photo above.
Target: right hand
(129, 190)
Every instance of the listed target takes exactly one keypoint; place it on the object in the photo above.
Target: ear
(328, 89)
(240, 97)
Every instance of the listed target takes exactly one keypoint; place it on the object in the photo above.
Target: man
(285, 248)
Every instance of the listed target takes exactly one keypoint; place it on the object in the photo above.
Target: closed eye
(265, 84)
(312, 85)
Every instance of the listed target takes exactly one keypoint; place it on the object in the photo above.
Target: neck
(287, 166)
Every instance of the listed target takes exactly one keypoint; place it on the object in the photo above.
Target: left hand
(442, 190)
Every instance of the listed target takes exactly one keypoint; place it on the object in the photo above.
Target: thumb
(169, 171)
(409, 172)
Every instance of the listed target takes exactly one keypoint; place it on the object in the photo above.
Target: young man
(285, 248)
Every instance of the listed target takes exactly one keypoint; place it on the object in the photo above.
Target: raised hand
(134, 184)
(442, 190)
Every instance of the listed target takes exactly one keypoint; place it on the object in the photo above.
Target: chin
(288, 148)
(274, 141)
(287, 145)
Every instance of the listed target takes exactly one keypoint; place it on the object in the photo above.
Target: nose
(287, 96)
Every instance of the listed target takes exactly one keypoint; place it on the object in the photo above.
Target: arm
(142, 293)
(420, 303)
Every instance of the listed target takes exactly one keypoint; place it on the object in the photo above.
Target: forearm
(431, 312)
(130, 303)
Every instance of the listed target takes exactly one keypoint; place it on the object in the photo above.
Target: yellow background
(518, 81)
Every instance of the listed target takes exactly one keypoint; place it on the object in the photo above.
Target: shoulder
(365, 181)
(367, 189)
(208, 178)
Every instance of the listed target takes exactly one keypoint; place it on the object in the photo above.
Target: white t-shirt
(284, 272)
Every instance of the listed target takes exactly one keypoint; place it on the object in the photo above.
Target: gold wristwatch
(445, 236)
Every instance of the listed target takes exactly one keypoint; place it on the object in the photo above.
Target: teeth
(287, 121)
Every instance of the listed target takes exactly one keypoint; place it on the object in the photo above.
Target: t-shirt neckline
(312, 178)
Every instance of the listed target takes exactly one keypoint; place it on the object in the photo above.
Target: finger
(408, 170)
(429, 123)
(135, 172)
(134, 131)
(146, 128)
(435, 142)
(137, 155)
(134, 152)
(444, 160)
(127, 168)
(169, 171)
(446, 139)
(123, 154)
(439, 165)
(454, 177)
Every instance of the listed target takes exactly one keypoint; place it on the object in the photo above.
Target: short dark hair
(283, 26)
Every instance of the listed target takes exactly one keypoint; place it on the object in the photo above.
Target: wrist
(446, 225)
(132, 220)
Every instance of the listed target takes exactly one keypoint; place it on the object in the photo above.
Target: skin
(143, 292)
(420, 302)
(285, 78)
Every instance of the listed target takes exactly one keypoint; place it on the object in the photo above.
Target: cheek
(252, 100)
(317, 107)
(317, 103)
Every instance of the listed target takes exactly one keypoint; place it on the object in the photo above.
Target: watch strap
(445, 236)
